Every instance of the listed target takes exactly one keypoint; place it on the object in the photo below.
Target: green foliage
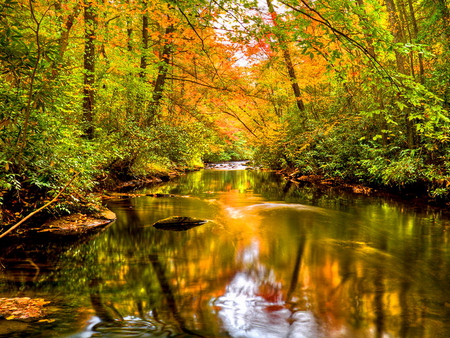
(223, 150)
(270, 153)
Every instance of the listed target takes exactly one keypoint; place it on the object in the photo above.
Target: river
(273, 261)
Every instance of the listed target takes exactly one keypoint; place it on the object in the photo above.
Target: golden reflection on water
(272, 262)
(266, 268)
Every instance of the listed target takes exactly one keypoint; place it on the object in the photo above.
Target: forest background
(113, 90)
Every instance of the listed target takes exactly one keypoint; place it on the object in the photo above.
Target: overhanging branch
(339, 33)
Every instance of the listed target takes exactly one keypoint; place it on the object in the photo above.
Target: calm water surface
(273, 261)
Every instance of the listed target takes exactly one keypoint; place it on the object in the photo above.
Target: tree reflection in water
(267, 268)
(275, 261)
(253, 304)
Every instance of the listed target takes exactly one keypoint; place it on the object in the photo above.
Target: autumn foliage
(22, 308)
(349, 89)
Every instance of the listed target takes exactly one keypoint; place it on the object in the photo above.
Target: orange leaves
(22, 308)
(259, 47)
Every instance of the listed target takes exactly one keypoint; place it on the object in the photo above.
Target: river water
(273, 261)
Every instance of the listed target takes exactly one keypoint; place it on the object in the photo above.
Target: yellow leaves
(40, 302)
(329, 128)
(46, 321)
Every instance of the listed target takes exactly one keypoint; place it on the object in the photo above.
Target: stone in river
(178, 223)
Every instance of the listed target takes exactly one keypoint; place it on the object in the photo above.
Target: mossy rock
(178, 223)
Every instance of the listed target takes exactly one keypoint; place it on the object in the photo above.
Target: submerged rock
(178, 223)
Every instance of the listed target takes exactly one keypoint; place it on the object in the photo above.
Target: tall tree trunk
(408, 36)
(397, 32)
(445, 13)
(288, 61)
(379, 122)
(163, 69)
(129, 34)
(67, 26)
(399, 37)
(22, 139)
(293, 78)
(144, 45)
(129, 31)
(416, 33)
(90, 19)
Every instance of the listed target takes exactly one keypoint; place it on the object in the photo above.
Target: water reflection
(274, 261)
(253, 304)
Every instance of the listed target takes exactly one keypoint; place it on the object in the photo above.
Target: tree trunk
(288, 61)
(129, 36)
(399, 37)
(293, 78)
(144, 45)
(163, 69)
(405, 20)
(379, 122)
(67, 24)
(397, 32)
(416, 33)
(129, 31)
(90, 19)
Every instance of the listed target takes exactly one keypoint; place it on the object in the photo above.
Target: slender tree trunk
(163, 70)
(408, 34)
(90, 19)
(293, 78)
(129, 31)
(23, 137)
(144, 45)
(416, 33)
(129, 34)
(397, 32)
(288, 61)
(379, 122)
(67, 26)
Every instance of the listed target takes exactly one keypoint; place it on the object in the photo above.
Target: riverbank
(88, 216)
(416, 196)
(72, 213)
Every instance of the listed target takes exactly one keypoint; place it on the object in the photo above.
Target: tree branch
(338, 33)
(41, 208)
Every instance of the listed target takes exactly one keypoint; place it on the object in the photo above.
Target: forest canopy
(353, 89)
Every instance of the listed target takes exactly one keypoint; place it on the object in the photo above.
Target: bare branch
(41, 208)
